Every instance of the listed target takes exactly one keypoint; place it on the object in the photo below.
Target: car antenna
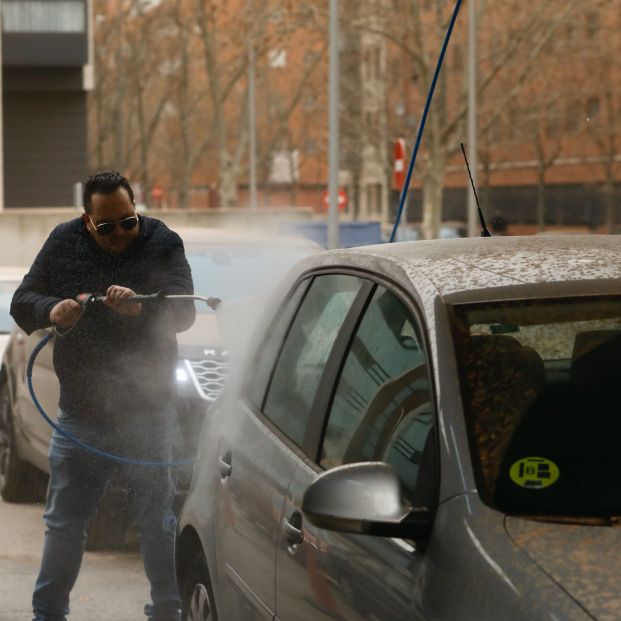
(484, 230)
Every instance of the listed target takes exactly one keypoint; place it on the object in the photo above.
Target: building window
(570, 35)
(310, 146)
(372, 63)
(592, 25)
(305, 15)
(572, 118)
(458, 57)
(592, 109)
(374, 198)
(309, 102)
(44, 16)
(366, 64)
(276, 16)
(276, 103)
(554, 127)
(377, 62)
(372, 121)
(285, 166)
(277, 58)
(310, 56)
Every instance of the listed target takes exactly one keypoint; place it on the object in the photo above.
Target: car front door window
(382, 409)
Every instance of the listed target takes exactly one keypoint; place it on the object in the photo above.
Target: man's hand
(117, 300)
(65, 313)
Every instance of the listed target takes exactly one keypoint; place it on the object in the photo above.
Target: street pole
(252, 122)
(473, 218)
(333, 128)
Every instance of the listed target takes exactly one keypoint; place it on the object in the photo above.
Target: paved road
(111, 586)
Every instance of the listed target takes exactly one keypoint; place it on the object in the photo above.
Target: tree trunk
(609, 206)
(432, 205)
(227, 189)
(541, 198)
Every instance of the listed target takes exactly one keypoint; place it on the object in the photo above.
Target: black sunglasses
(105, 228)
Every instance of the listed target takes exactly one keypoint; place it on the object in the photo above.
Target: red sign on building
(399, 164)
(342, 199)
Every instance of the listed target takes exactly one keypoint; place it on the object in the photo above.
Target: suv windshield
(239, 271)
(541, 387)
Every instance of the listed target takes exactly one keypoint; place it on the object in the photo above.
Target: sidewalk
(111, 585)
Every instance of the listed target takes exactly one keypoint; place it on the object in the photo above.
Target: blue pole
(421, 128)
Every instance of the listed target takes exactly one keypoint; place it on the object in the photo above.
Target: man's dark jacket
(111, 366)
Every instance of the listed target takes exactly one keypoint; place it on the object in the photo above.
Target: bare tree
(516, 33)
(601, 98)
(131, 92)
(188, 131)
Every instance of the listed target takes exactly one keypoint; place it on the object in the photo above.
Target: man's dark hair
(104, 182)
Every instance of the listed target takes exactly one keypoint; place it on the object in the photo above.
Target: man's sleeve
(179, 282)
(173, 277)
(33, 301)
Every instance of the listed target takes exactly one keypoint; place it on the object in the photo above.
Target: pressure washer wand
(90, 298)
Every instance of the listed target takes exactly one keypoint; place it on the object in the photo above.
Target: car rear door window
(265, 357)
(382, 408)
(301, 363)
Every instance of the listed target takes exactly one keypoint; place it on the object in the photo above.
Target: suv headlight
(182, 375)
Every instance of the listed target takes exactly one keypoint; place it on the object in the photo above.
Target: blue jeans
(77, 481)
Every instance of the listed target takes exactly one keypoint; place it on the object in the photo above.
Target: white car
(10, 278)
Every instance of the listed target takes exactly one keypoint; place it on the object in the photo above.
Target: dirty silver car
(427, 430)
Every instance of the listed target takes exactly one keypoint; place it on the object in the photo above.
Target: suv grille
(210, 373)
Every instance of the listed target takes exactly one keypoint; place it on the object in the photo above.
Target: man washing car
(116, 364)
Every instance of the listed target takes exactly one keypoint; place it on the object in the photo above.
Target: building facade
(46, 75)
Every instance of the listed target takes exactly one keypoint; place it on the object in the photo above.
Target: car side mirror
(364, 498)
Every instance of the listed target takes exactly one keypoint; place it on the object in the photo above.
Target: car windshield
(240, 271)
(541, 387)
(7, 288)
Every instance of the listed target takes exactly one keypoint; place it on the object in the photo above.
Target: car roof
(225, 236)
(463, 265)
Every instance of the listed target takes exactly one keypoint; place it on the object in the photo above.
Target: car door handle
(224, 465)
(292, 528)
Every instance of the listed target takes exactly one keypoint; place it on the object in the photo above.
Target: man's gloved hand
(117, 300)
(65, 313)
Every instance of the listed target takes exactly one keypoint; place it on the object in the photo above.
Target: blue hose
(118, 458)
(421, 127)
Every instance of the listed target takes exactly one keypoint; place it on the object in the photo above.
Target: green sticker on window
(534, 472)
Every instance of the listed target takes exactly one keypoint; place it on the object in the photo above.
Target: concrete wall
(23, 231)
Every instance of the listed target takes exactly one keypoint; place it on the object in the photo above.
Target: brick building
(547, 117)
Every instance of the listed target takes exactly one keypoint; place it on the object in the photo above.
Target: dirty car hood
(204, 331)
(584, 560)
(227, 329)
